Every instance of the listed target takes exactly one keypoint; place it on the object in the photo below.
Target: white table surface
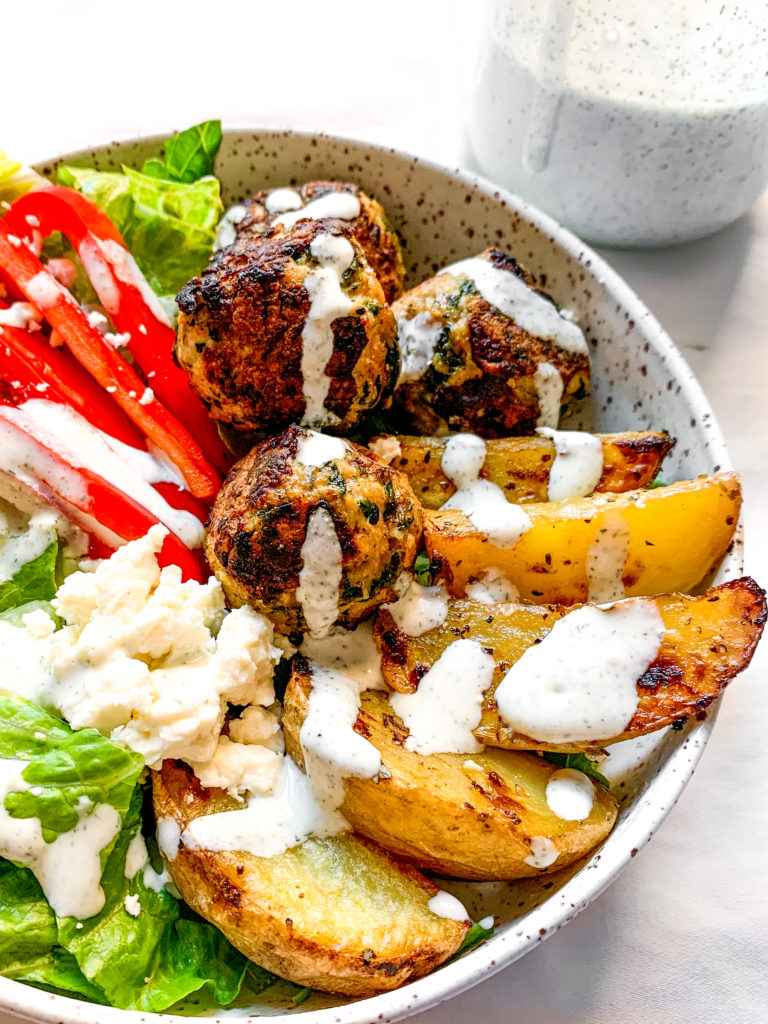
(682, 936)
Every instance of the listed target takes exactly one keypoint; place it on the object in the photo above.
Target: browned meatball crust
(240, 333)
(259, 524)
(482, 374)
(378, 240)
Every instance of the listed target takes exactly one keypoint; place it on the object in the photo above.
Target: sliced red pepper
(88, 499)
(32, 368)
(124, 293)
(106, 365)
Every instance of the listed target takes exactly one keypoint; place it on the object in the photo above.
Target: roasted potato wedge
(337, 914)
(461, 815)
(521, 465)
(673, 538)
(708, 641)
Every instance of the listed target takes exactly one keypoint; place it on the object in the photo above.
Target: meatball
(286, 206)
(482, 350)
(288, 328)
(313, 531)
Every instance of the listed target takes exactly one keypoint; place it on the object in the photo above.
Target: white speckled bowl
(640, 381)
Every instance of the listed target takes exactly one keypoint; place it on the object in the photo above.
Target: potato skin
(481, 378)
(240, 334)
(337, 914)
(377, 239)
(521, 465)
(708, 641)
(678, 535)
(259, 521)
(441, 813)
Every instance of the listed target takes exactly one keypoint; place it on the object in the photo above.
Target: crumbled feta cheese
(387, 448)
(132, 905)
(258, 725)
(147, 397)
(38, 624)
(239, 767)
(117, 339)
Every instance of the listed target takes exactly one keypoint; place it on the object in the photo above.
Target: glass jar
(634, 122)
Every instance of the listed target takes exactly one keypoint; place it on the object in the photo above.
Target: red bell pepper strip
(127, 298)
(106, 365)
(31, 368)
(92, 502)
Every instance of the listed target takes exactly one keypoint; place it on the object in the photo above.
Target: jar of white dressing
(634, 122)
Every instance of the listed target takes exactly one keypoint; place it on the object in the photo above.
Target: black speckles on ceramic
(640, 381)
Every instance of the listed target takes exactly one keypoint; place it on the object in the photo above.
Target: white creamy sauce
(568, 94)
(543, 852)
(100, 276)
(512, 296)
(281, 200)
(158, 881)
(420, 609)
(18, 549)
(483, 501)
(492, 587)
(267, 826)
(341, 205)
(570, 794)
(168, 838)
(127, 271)
(549, 388)
(447, 706)
(67, 433)
(606, 558)
(342, 667)
(417, 339)
(314, 449)
(445, 904)
(136, 856)
(21, 314)
(43, 290)
(225, 230)
(71, 893)
(580, 682)
(321, 573)
(578, 464)
(327, 303)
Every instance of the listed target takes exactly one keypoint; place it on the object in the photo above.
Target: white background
(682, 936)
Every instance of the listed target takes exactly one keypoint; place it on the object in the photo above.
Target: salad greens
(144, 962)
(167, 212)
(35, 581)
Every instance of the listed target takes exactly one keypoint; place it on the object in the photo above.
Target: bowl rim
(604, 866)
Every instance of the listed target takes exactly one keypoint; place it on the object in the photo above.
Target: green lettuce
(145, 962)
(65, 767)
(580, 762)
(35, 581)
(168, 211)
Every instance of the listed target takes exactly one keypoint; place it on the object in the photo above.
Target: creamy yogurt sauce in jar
(634, 123)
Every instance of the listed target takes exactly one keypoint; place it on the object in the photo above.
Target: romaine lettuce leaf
(64, 767)
(150, 961)
(145, 962)
(34, 581)
(167, 212)
(29, 949)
